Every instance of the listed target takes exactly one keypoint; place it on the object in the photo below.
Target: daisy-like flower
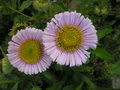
(26, 51)
(68, 37)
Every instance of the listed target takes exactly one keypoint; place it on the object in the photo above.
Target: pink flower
(26, 52)
(68, 37)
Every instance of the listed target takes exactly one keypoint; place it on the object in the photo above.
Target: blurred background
(101, 71)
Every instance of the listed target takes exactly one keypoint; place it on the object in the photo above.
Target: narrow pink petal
(72, 60)
(46, 59)
(13, 56)
(74, 17)
(50, 50)
(59, 17)
(85, 22)
(22, 67)
(61, 59)
(35, 69)
(38, 35)
(20, 37)
(90, 45)
(67, 59)
(85, 52)
(29, 33)
(23, 33)
(91, 41)
(52, 27)
(48, 38)
(16, 62)
(55, 54)
(83, 57)
(49, 44)
(47, 32)
(26, 69)
(77, 59)
(32, 69)
(90, 36)
(12, 49)
(39, 67)
(13, 44)
(16, 40)
(78, 19)
(66, 18)
(81, 20)
(43, 64)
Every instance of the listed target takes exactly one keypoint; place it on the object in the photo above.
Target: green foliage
(15, 87)
(36, 88)
(103, 54)
(6, 66)
(25, 5)
(95, 74)
(50, 76)
(115, 68)
(103, 32)
(4, 80)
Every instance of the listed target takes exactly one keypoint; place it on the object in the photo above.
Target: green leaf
(25, 5)
(15, 87)
(50, 76)
(79, 87)
(12, 3)
(104, 88)
(4, 7)
(20, 19)
(1, 49)
(69, 87)
(4, 80)
(59, 7)
(55, 86)
(2, 85)
(6, 66)
(82, 68)
(36, 88)
(115, 69)
(103, 54)
(90, 84)
(58, 67)
(103, 32)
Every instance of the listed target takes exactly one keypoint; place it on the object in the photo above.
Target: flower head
(26, 51)
(68, 37)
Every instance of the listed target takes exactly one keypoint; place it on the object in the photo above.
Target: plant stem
(18, 12)
(50, 10)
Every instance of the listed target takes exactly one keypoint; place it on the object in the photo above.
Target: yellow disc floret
(31, 51)
(69, 38)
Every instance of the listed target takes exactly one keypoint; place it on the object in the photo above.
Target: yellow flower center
(69, 38)
(31, 51)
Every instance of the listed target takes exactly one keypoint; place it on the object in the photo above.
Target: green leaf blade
(25, 5)
(103, 54)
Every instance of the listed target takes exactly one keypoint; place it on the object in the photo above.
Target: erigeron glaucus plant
(100, 65)
(68, 37)
(26, 51)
